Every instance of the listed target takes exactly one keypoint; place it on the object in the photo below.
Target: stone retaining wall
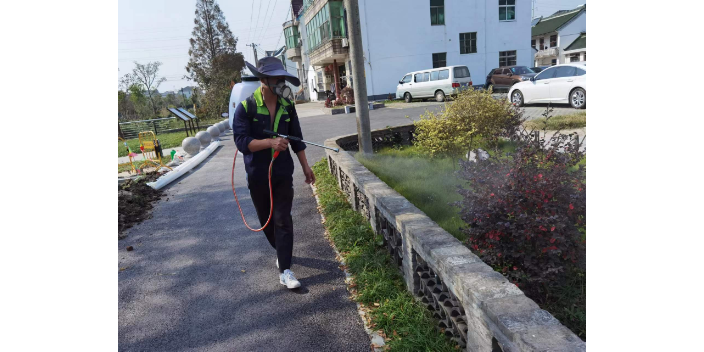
(475, 305)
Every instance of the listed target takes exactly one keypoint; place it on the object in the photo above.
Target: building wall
(570, 32)
(398, 38)
(310, 71)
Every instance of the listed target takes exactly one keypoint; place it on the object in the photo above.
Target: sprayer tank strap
(282, 103)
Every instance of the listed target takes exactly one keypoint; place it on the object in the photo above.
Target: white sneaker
(277, 263)
(289, 280)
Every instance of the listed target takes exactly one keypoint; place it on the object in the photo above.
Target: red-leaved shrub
(526, 213)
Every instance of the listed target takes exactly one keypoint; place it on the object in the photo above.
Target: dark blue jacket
(248, 127)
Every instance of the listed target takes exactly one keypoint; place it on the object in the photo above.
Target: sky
(548, 7)
(159, 30)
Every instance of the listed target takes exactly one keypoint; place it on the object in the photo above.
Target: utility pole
(254, 49)
(364, 135)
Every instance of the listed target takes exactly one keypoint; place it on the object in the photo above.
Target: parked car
(565, 83)
(436, 82)
(539, 68)
(505, 77)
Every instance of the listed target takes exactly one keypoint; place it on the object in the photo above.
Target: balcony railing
(288, 23)
(547, 52)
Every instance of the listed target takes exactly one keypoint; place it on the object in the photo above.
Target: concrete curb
(350, 109)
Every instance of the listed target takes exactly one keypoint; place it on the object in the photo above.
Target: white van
(436, 82)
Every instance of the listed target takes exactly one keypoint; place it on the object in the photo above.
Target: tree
(171, 100)
(146, 75)
(124, 105)
(139, 100)
(214, 63)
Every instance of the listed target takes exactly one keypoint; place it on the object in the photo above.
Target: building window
(553, 41)
(318, 29)
(439, 60)
(437, 12)
(337, 13)
(574, 57)
(507, 10)
(292, 36)
(532, 43)
(542, 43)
(468, 43)
(553, 62)
(507, 58)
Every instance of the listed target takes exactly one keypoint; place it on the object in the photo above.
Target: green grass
(431, 186)
(167, 140)
(406, 323)
(562, 122)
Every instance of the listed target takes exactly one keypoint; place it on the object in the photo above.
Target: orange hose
(271, 193)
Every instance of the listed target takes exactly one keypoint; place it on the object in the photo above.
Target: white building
(400, 36)
(560, 37)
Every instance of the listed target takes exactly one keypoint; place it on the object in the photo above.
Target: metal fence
(403, 135)
(130, 129)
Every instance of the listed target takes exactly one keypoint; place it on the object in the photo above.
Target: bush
(527, 218)
(454, 130)
(339, 102)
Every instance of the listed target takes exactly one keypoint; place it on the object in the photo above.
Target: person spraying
(268, 161)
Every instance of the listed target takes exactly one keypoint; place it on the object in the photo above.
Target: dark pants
(279, 232)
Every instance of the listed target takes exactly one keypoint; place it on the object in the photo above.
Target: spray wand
(294, 138)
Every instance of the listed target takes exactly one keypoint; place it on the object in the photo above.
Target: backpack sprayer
(271, 193)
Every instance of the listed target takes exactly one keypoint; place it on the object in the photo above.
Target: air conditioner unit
(345, 43)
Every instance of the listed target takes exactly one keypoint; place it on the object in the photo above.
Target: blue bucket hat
(272, 67)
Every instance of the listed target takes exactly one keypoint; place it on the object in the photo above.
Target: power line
(271, 16)
(282, 32)
(251, 15)
(265, 14)
(258, 14)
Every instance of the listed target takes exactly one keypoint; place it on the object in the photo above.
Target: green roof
(579, 43)
(553, 23)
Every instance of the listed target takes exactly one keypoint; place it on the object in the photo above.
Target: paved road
(183, 288)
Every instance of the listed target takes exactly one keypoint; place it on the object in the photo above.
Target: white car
(565, 83)
(435, 82)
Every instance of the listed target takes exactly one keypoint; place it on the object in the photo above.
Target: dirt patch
(134, 202)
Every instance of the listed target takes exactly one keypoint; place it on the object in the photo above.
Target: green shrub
(455, 129)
